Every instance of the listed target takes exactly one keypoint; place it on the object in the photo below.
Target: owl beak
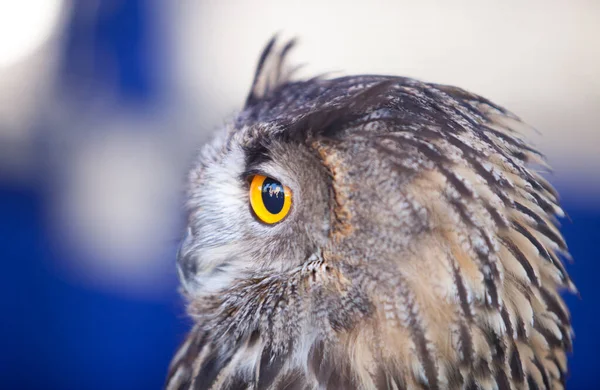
(186, 266)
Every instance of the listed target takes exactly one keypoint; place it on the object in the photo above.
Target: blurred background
(103, 103)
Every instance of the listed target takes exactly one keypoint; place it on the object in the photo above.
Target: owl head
(369, 229)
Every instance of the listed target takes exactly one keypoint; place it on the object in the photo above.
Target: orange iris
(270, 200)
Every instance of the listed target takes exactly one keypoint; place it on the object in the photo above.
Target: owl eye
(270, 200)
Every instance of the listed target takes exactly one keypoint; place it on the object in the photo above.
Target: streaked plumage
(422, 250)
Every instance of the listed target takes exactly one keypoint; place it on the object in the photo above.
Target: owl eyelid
(249, 173)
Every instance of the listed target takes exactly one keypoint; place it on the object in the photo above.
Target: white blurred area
(118, 169)
(29, 40)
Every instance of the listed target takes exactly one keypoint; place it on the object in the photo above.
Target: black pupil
(272, 195)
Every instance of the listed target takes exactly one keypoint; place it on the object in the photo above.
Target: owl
(371, 232)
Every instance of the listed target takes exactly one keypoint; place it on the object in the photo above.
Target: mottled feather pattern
(438, 267)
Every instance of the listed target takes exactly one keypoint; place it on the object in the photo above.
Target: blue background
(56, 334)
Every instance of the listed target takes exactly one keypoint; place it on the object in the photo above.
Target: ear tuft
(272, 70)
